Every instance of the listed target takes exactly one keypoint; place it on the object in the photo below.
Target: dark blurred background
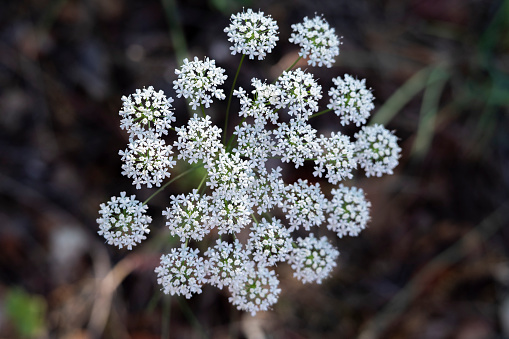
(434, 261)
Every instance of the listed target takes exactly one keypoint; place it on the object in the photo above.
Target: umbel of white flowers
(240, 193)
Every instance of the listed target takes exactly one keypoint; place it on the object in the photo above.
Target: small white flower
(265, 103)
(304, 205)
(147, 160)
(146, 110)
(299, 92)
(228, 173)
(377, 150)
(269, 242)
(188, 216)
(198, 80)
(181, 272)
(349, 211)
(254, 142)
(295, 142)
(225, 262)
(267, 190)
(198, 140)
(337, 158)
(318, 41)
(123, 221)
(230, 178)
(351, 100)
(252, 34)
(256, 290)
(230, 212)
(312, 259)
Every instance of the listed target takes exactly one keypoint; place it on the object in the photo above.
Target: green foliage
(26, 312)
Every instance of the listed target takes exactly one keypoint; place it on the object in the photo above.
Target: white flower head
(181, 272)
(265, 103)
(304, 205)
(351, 100)
(252, 34)
(269, 242)
(230, 215)
(198, 140)
(299, 92)
(318, 41)
(225, 262)
(123, 221)
(337, 158)
(147, 160)
(377, 150)
(199, 81)
(312, 259)
(242, 187)
(349, 211)
(267, 190)
(146, 110)
(188, 216)
(256, 290)
(254, 142)
(295, 142)
(230, 178)
(229, 173)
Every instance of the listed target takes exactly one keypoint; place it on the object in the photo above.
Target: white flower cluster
(351, 100)
(299, 92)
(146, 116)
(252, 34)
(146, 110)
(188, 216)
(377, 150)
(313, 259)
(318, 41)
(304, 205)
(337, 157)
(198, 81)
(225, 261)
(269, 242)
(182, 272)
(147, 160)
(199, 140)
(349, 211)
(251, 218)
(123, 221)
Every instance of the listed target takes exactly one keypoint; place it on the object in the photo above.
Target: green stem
(202, 110)
(254, 218)
(320, 113)
(165, 321)
(294, 63)
(172, 180)
(202, 181)
(230, 98)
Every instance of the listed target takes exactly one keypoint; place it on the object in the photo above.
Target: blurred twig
(397, 305)
(105, 289)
